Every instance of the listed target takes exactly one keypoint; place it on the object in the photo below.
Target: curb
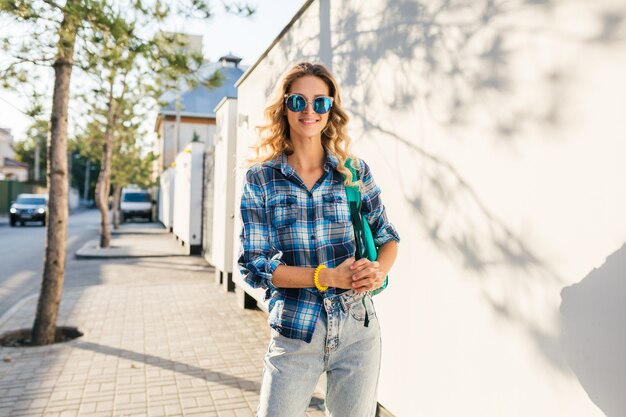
(122, 256)
(92, 250)
(140, 232)
(10, 312)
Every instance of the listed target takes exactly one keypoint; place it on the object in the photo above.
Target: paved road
(21, 262)
(160, 337)
(22, 250)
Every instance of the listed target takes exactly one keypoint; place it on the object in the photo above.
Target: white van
(135, 202)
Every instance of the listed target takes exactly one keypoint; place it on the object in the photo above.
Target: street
(21, 262)
(159, 336)
(21, 258)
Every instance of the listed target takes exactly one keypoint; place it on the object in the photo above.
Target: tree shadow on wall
(450, 61)
(594, 333)
(455, 59)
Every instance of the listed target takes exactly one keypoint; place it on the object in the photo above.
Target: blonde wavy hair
(274, 135)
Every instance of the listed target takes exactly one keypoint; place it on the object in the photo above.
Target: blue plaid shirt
(286, 224)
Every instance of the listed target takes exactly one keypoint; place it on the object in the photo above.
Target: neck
(307, 155)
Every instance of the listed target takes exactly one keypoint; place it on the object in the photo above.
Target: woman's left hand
(367, 275)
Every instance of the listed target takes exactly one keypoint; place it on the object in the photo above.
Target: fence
(9, 190)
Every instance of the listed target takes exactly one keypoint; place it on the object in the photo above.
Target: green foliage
(124, 73)
(165, 62)
(36, 135)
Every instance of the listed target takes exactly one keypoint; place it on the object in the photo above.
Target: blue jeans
(342, 347)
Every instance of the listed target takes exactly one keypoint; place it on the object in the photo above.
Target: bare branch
(53, 4)
(46, 61)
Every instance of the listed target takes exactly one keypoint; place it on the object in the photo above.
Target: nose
(308, 108)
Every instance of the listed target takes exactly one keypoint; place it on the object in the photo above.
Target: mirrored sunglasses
(297, 103)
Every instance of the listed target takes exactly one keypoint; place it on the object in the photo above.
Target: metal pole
(36, 173)
(177, 143)
(69, 171)
(86, 185)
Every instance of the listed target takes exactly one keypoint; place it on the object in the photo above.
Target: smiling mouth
(308, 122)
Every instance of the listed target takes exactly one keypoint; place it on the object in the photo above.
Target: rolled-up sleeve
(374, 210)
(257, 258)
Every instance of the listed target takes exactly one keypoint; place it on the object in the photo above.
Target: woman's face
(307, 123)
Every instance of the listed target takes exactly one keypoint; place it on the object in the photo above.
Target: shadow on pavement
(175, 366)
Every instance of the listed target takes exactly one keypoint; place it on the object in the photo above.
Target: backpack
(365, 246)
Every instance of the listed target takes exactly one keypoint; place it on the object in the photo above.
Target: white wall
(170, 149)
(256, 88)
(224, 190)
(187, 224)
(166, 197)
(495, 130)
(73, 198)
(6, 140)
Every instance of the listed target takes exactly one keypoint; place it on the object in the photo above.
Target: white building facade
(10, 169)
(496, 134)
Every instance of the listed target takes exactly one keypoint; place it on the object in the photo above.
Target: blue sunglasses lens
(322, 105)
(297, 103)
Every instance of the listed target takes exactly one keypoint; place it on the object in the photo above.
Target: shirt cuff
(386, 234)
(263, 268)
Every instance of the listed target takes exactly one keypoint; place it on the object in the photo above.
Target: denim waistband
(343, 300)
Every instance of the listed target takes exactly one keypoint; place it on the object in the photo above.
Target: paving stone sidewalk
(180, 348)
(140, 240)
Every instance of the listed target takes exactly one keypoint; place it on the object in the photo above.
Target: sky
(247, 38)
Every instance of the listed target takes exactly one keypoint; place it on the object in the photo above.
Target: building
(190, 116)
(10, 169)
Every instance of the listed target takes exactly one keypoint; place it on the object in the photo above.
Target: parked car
(29, 207)
(135, 202)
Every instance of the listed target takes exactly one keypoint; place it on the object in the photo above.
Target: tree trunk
(117, 193)
(103, 187)
(44, 327)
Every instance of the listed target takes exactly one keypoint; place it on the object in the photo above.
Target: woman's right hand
(339, 276)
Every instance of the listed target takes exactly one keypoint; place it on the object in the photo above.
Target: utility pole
(36, 167)
(177, 143)
(69, 171)
(86, 185)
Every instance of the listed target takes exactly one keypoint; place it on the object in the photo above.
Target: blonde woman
(297, 242)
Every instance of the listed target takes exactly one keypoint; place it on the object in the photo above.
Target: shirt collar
(280, 162)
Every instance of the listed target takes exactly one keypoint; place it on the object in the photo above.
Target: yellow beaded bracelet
(316, 278)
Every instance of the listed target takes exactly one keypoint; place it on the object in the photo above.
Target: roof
(200, 101)
(8, 162)
(33, 195)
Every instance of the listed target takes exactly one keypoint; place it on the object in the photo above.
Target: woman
(298, 244)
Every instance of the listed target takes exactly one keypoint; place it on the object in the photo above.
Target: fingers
(362, 263)
(366, 270)
(368, 283)
(348, 261)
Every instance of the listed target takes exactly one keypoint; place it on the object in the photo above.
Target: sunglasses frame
(287, 96)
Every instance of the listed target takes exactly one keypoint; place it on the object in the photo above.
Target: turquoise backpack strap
(365, 247)
(354, 203)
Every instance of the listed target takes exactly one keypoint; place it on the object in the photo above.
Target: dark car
(29, 208)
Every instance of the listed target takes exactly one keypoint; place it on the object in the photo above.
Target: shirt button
(312, 237)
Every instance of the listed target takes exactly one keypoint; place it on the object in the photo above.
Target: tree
(59, 32)
(130, 167)
(129, 163)
(33, 150)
